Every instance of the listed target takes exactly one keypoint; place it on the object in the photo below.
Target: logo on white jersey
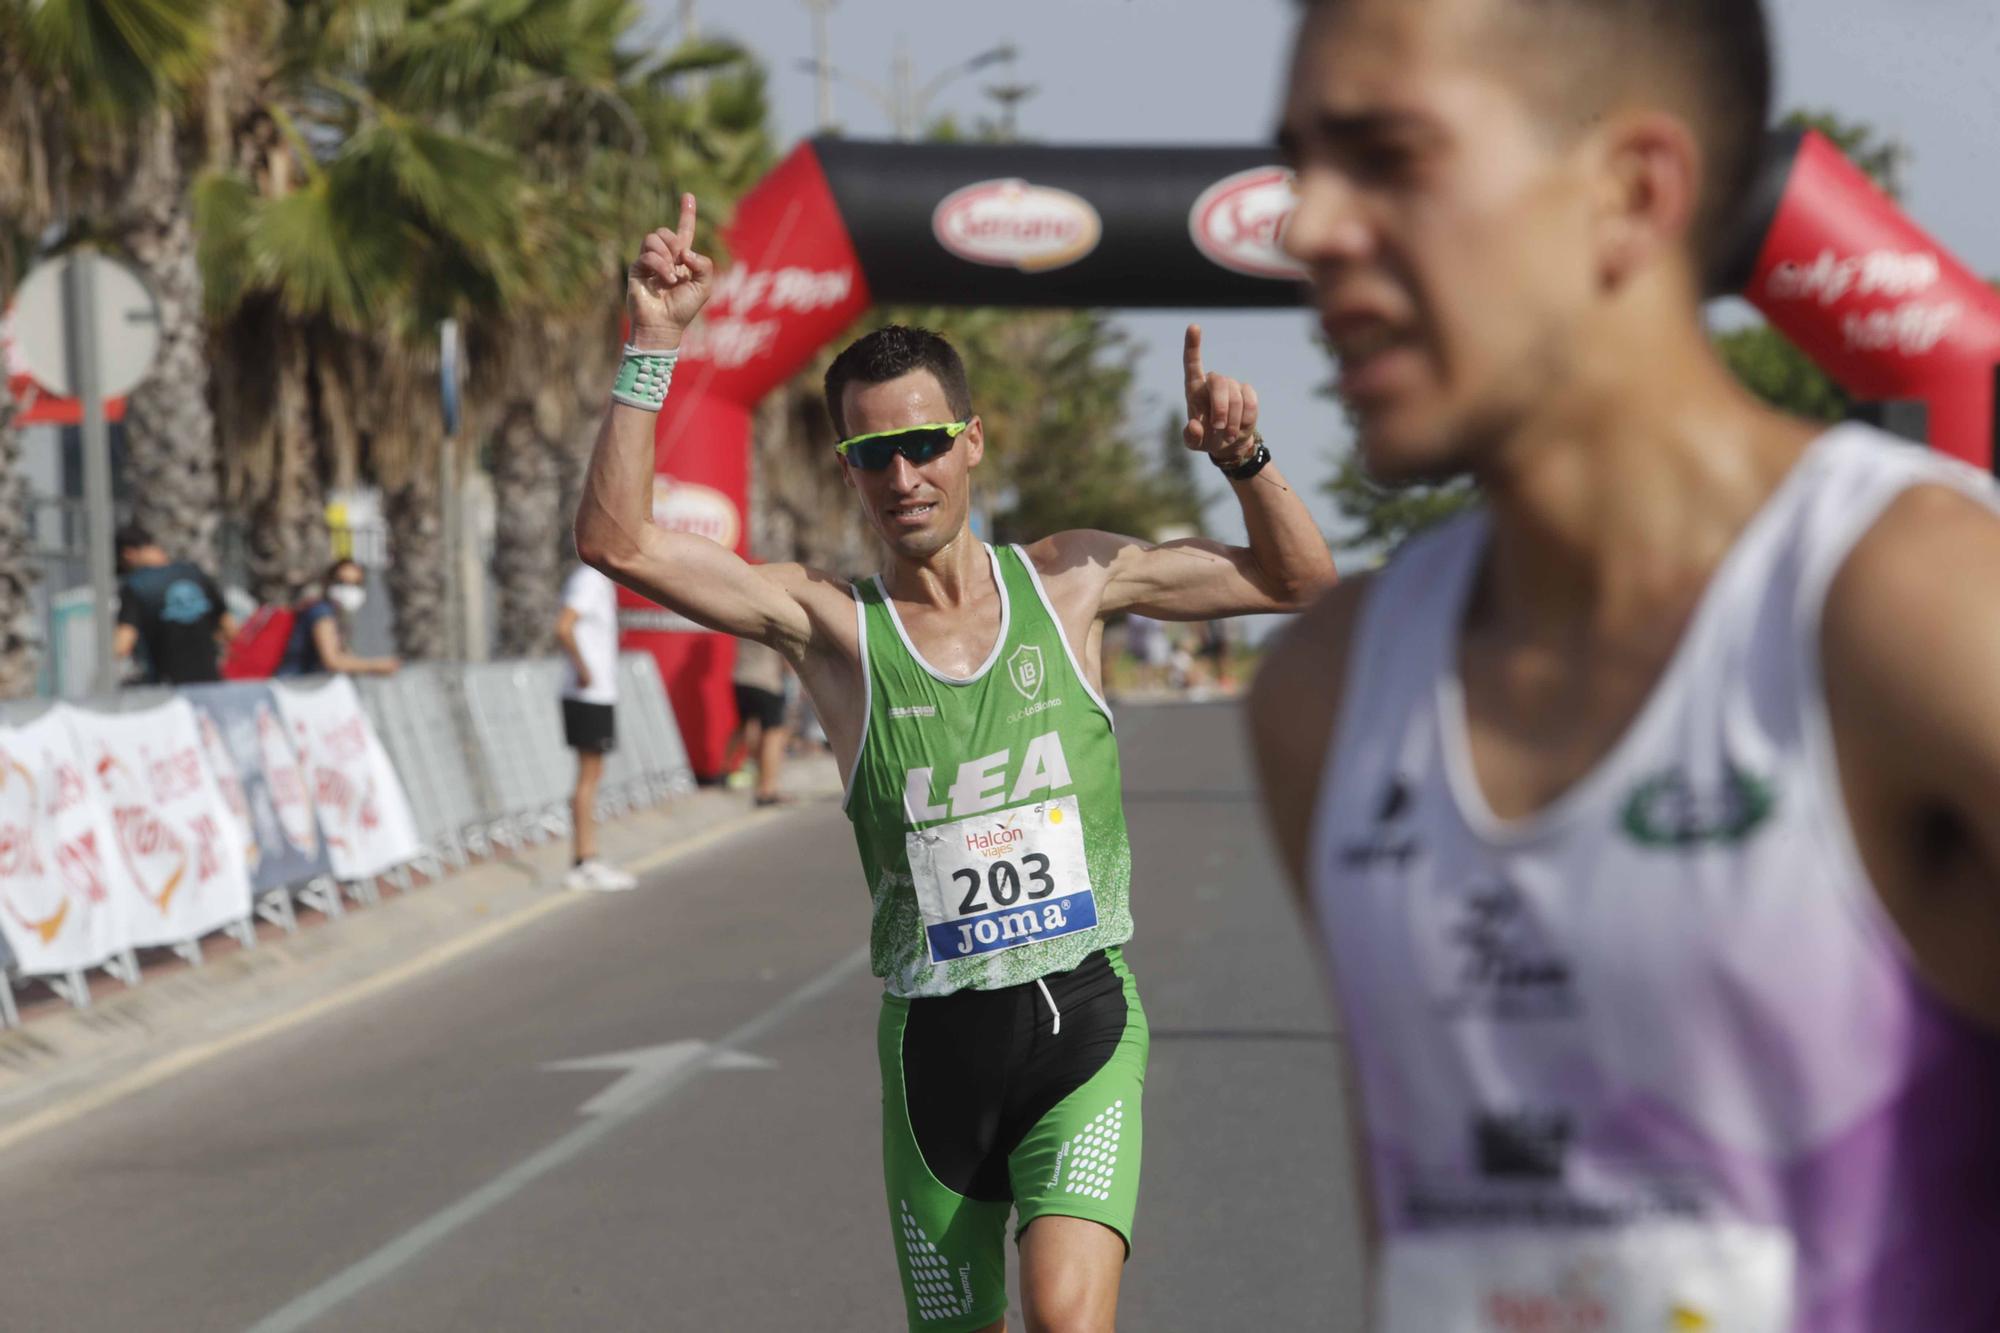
(1389, 843)
(1667, 811)
(1498, 963)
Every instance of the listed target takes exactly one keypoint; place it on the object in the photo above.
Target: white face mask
(347, 596)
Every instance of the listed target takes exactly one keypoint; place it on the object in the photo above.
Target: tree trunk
(20, 641)
(417, 574)
(176, 483)
(265, 377)
(527, 492)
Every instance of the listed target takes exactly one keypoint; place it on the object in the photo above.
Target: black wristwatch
(1249, 467)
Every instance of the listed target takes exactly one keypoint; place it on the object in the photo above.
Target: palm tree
(348, 221)
(76, 77)
(615, 140)
(172, 467)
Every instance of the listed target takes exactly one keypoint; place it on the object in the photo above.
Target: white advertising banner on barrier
(363, 812)
(63, 886)
(179, 844)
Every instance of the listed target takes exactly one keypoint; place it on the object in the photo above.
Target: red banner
(792, 284)
(39, 407)
(1879, 305)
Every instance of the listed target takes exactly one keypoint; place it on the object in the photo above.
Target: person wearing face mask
(317, 644)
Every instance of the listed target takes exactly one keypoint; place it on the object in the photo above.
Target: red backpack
(259, 646)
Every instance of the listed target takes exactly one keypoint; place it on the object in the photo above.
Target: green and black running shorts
(1022, 1099)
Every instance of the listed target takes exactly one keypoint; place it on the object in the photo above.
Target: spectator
(760, 708)
(171, 612)
(1213, 646)
(319, 642)
(1146, 641)
(587, 629)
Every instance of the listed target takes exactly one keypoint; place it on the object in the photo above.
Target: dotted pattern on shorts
(938, 1293)
(1093, 1154)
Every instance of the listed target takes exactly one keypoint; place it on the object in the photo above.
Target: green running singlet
(988, 811)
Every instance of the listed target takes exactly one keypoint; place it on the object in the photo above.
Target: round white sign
(128, 327)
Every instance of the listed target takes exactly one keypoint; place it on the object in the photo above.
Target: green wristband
(643, 378)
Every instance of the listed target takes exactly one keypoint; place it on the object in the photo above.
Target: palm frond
(117, 56)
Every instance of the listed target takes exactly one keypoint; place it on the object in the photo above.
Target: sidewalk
(66, 1061)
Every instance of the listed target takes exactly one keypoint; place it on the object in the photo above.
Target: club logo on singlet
(1669, 812)
(1024, 668)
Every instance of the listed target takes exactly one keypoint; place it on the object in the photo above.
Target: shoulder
(1296, 694)
(829, 601)
(1910, 616)
(1080, 561)
(1293, 708)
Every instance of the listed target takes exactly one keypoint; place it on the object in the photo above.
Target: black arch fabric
(889, 195)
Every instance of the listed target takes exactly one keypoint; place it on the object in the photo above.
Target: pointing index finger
(1191, 357)
(686, 230)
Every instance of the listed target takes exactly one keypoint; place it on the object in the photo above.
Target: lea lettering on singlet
(1651, 1058)
(987, 810)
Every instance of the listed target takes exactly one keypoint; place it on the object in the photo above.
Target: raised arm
(1285, 566)
(615, 532)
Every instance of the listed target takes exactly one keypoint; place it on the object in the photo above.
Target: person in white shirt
(587, 629)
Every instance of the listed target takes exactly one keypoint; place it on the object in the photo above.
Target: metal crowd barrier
(417, 714)
(480, 752)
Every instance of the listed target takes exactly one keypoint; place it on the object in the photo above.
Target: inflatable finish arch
(841, 225)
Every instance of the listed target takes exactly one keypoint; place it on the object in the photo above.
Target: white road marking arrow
(650, 1070)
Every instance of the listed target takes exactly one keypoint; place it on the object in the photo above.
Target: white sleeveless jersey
(1652, 1059)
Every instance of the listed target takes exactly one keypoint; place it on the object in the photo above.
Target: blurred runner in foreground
(962, 691)
(1651, 816)
(587, 631)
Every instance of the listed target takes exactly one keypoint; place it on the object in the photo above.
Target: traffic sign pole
(80, 318)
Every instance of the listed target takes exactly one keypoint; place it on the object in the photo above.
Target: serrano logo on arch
(1238, 221)
(1013, 224)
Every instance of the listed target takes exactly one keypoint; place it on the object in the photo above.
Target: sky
(1926, 72)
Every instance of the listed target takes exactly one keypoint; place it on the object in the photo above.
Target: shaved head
(1708, 62)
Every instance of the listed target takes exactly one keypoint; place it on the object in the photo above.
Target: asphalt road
(411, 1162)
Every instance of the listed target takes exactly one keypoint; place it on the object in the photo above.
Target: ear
(1650, 184)
(846, 470)
(975, 442)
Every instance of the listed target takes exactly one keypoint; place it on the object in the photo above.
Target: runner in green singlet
(961, 690)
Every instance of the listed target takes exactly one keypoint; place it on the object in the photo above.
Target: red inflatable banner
(791, 285)
(1876, 303)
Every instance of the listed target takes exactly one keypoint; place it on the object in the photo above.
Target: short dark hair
(1717, 53)
(132, 537)
(892, 352)
(332, 574)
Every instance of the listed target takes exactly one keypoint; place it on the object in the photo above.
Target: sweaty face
(1445, 231)
(917, 510)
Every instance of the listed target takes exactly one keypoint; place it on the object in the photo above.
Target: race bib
(1653, 1278)
(999, 881)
